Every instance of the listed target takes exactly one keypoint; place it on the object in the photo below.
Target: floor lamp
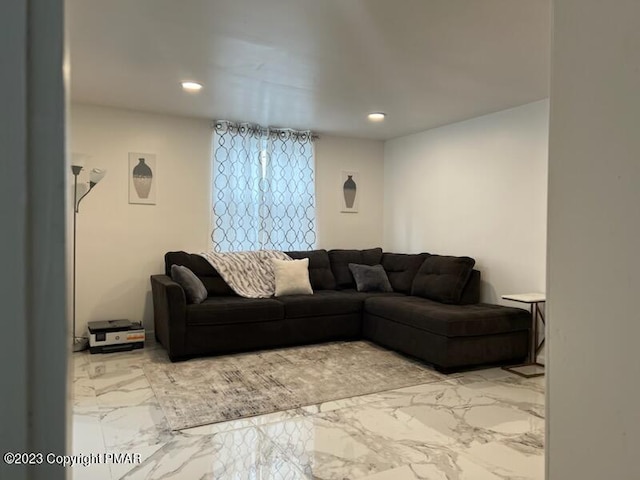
(95, 175)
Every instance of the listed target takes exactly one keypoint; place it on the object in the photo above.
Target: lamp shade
(79, 159)
(96, 175)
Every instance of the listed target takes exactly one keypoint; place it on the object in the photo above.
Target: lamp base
(80, 344)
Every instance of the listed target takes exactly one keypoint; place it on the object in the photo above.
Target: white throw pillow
(292, 277)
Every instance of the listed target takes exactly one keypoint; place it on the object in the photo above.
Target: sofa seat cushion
(221, 310)
(449, 320)
(321, 303)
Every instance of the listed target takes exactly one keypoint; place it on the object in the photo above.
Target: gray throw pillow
(192, 285)
(339, 261)
(370, 278)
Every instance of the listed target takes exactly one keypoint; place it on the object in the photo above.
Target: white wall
(349, 230)
(120, 245)
(475, 188)
(593, 414)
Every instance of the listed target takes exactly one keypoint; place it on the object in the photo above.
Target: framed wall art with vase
(143, 179)
(349, 192)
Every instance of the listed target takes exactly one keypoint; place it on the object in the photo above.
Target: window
(263, 188)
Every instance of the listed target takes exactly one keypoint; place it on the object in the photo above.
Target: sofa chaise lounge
(433, 312)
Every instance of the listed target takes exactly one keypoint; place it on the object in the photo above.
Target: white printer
(115, 336)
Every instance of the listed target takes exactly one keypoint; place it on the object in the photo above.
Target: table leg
(532, 360)
(539, 345)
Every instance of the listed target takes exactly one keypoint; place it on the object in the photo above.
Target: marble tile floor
(480, 425)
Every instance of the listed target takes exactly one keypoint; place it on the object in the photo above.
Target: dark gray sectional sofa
(433, 313)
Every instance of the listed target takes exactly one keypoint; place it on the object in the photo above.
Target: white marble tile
(80, 364)
(485, 424)
(91, 472)
(87, 439)
(118, 379)
(509, 461)
(171, 460)
(123, 388)
(486, 410)
(536, 384)
(457, 466)
(105, 362)
(351, 443)
(451, 466)
(353, 401)
(405, 472)
(87, 432)
(105, 368)
(524, 396)
(83, 393)
(121, 470)
(427, 425)
(489, 421)
(236, 455)
(128, 428)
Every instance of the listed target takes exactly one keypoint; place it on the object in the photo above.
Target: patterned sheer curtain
(263, 188)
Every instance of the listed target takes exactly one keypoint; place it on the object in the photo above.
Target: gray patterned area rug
(217, 389)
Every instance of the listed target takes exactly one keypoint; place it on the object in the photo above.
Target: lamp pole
(96, 174)
(78, 343)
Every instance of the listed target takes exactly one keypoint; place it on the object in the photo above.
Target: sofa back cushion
(209, 276)
(443, 278)
(471, 292)
(340, 260)
(401, 269)
(320, 272)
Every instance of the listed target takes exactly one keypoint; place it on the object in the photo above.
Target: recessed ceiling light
(191, 86)
(376, 116)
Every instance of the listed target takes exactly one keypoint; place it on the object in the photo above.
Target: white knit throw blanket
(249, 274)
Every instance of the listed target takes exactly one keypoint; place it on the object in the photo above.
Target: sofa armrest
(169, 314)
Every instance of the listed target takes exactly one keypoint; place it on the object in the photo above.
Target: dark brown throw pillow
(370, 278)
(443, 278)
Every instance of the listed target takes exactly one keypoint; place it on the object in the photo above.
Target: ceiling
(313, 64)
